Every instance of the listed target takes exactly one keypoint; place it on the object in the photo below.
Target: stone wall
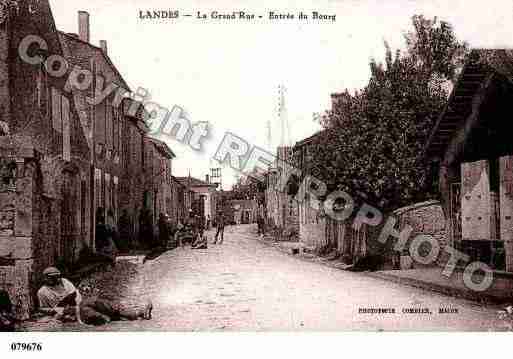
(17, 226)
(132, 181)
(313, 235)
(312, 226)
(281, 208)
(426, 218)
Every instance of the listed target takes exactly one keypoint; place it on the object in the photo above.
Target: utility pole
(283, 116)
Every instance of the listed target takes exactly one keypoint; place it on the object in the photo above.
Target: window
(142, 153)
(42, 91)
(119, 134)
(108, 194)
(83, 201)
(98, 187)
(115, 203)
(66, 129)
(127, 148)
(56, 110)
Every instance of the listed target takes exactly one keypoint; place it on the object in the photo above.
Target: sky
(228, 73)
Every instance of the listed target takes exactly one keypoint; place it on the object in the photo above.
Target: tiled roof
(310, 139)
(76, 54)
(194, 182)
(163, 148)
(481, 64)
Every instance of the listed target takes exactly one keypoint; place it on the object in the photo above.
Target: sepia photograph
(239, 166)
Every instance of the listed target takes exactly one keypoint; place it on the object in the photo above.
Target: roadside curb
(484, 298)
(302, 255)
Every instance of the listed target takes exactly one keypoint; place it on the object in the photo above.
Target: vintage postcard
(248, 166)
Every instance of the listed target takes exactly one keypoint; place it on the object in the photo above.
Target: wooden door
(69, 228)
(476, 204)
(506, 208)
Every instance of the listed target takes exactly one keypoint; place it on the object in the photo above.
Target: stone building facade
(165, 197)
(243, 211)
(102, 122)
(320, 233)
(63, 158)
(133, 183)
(317, 231)
(181, 201)
(44, 156)
(204, 196)
(282, 209)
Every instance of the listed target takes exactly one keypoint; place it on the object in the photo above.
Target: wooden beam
(468, 69)
(456, 146)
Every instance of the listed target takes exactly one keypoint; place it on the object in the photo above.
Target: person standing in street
(104, 243)
(112, 227)
(260, 220)
(163, 230)
(146, 229)
(220, 227)
(124, 228)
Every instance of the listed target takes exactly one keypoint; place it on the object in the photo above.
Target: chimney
(83, 26)
(207, 178)
(103, 45)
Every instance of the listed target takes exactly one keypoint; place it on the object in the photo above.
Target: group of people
(59, 298)
(192, 230)
(111, 239)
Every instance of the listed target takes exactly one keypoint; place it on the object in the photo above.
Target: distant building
(317, 231)
(282, 208)
(165, 201)
(204, 201)
(243, 211)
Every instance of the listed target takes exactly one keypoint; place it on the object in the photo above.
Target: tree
(247, 188)
(373, 144)
(434, 48)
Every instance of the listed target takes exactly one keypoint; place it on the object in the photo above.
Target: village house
(127, 162)
(45, 159)
(183, 203)
(317, 231)
(133, 182)
(102, 122)
(243, 211)
(164, 201)
(282, 210)
(63, 160)
(472, 147)
(204, 200)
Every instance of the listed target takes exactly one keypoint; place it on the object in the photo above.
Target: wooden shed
(472, 142)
